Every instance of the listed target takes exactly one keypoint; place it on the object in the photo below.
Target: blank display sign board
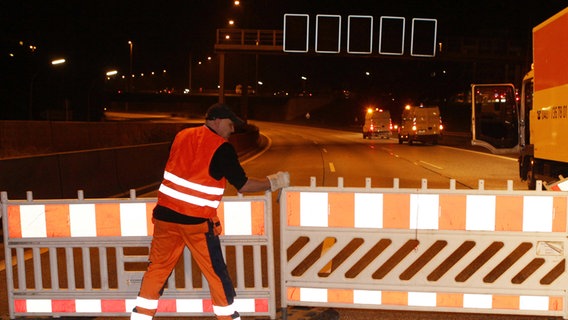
(392, 39)
(360, 34)
(296, 32)
(391, 36)
(423, 43)
(328, 33)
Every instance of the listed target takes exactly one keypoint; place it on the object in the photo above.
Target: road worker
(201, 161)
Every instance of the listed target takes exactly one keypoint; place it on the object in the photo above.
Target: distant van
(420, 123)
(377, 124)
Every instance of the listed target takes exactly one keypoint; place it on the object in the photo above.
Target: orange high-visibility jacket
(187, 187)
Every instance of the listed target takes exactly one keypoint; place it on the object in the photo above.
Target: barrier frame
(94, 291)
(310, 278)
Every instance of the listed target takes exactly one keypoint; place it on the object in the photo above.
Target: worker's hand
(279, 180)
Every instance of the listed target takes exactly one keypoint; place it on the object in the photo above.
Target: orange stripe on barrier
(394, 298)
(207, 305)
(62, 305)
(261, 305)
(57, 222)
(15, 222)
(167, 305)
(340, 296)
(449, 300)
(508, 213)
(257, 208)
(108, 219)
(506, 302)
(559, 219)
(113, 306)
(149, 224)
(453, 212)
(396, 209)
(556, 303)
(20, 306)
(341, 210)
(293, 208)
(293, 294)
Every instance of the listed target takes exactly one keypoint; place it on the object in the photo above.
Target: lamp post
(129, 79)
(130, 44)
(32, 82)
(190, 73)
(108, 75)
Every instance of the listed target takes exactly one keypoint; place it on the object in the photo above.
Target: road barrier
(86, 257)
(471, 251)
(443, 250)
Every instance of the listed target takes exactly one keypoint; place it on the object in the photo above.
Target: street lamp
(98, 79)
(34, 76)
(58, 61)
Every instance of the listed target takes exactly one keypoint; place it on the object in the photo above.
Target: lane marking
(430, 164)
(331, 167)
(483, 153)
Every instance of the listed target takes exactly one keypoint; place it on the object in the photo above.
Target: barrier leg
(284, 313)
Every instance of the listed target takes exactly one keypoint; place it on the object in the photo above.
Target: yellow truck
(542, 116)
(420, 123)
(377, 124)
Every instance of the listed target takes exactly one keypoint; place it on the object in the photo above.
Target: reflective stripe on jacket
(187, 187)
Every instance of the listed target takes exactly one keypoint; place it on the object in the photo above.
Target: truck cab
(540, 129)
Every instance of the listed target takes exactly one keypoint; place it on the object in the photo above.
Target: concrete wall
(105, 170)
(25, 138)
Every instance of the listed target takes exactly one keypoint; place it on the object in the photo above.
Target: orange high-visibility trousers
(167, 246)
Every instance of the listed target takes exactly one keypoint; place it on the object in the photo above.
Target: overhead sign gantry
(331, 36)
(359, 34)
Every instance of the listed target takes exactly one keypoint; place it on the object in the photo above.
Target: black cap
(222, 111)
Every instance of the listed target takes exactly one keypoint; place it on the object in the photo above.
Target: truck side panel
(549, 116)
(550, 49)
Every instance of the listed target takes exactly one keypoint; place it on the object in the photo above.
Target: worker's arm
(255, 185)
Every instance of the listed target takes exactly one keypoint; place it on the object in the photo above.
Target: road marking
(268, 145)
(483, 153)
(431, 165)
(331, 167)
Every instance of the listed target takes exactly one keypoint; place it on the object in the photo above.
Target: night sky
(94, 35)
(164, 32)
